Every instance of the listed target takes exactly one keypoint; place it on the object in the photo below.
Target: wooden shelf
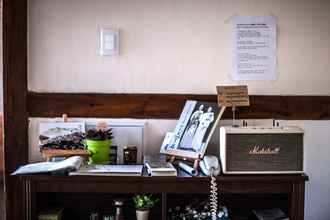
(180, 184)
(287, 191)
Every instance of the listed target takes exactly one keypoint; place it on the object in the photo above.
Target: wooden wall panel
(169, 106)
(109, 105)
(15, 106)
(1, 150)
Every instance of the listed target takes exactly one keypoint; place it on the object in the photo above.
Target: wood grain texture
(2, 199)
(1, 149)
(48, 154)
(15, 97)
(109, 105)
(169, 106)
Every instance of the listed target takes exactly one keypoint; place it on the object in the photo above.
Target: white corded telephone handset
(210, 166)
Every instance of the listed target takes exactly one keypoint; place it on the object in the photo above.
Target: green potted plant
(98, 143)
(143, 203)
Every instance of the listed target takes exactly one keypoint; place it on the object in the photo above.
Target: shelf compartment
(80, 206)
(239, 205)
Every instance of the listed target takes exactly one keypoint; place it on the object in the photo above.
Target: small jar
(119, 209)
(108, 217)
(130, 154)
(113, 156)
(94, 216)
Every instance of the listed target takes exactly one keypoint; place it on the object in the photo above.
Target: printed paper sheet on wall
(254, 48)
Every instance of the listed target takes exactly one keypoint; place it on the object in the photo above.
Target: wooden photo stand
(187, 156)
(196, 161)
(49, 154)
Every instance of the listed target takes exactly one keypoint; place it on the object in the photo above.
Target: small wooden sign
(233, 96)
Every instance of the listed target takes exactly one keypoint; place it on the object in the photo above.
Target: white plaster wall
(316, 165)
(171, 46)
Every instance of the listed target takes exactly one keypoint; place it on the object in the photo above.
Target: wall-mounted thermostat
(109, 41)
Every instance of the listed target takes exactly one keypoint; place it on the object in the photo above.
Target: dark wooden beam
(109, 105)
(169, 106)
(15, 102)
(287, 108)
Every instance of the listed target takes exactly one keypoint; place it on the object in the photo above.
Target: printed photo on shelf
(49, 130)
(193, 130)
(58, 140)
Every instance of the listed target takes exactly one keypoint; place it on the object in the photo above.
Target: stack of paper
(67, 165)
(109, 170)
(166, 169)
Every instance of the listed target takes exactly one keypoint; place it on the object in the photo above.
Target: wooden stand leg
(172, 159)
(196, 163)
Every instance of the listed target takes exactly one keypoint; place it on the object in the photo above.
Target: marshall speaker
(261, 150)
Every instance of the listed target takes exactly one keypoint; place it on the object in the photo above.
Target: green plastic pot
(99, 151)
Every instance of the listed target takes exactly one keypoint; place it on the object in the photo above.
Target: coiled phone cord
(213, 196)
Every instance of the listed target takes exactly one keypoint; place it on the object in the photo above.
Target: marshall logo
(257, 150)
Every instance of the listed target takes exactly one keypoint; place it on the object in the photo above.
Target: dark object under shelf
(269, 214)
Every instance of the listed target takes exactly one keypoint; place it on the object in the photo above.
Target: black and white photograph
(193, 130)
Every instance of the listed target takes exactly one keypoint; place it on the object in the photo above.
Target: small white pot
(142, 214)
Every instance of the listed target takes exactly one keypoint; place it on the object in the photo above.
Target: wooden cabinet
(79, 195)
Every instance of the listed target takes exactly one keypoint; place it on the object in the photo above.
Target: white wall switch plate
(109, 41)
